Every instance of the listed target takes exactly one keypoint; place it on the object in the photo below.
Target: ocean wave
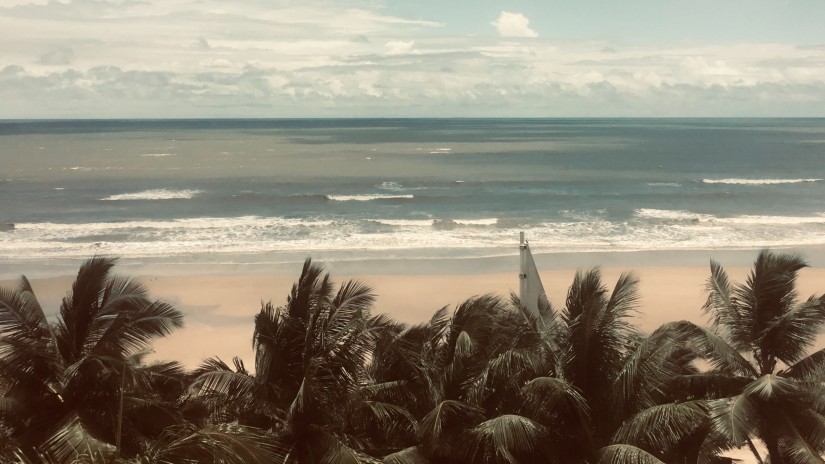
(738, 181)
(156, 194)
(369, 197)
(790, 220)
(674, 215)
(437, 150)
(650, 229)
(406, 222)
(157, 155)
(477, 222)
(664, 184)
(389, 185)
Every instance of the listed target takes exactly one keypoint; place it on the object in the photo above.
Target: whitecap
(368, 197)
(157, 155)
(676, 215)
(664, 184)
(477, 222)
(406, 222)
(156, 194)
(738, 181)
(389, 185)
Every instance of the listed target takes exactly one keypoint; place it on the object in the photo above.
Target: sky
(424, 58)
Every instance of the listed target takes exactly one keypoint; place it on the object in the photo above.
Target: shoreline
(219, 306)
(451, 263)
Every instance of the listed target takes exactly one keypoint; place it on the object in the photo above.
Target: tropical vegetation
(485, 382)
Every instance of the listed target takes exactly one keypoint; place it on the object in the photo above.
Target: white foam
(157, 155)
(388, 185)
(737, 181)
(477, 222)
(208, 237)
(437, 150)
(768, 220)
(664, 184)
(156, 194)
(676, 215)
(368, 197)
(406, 222)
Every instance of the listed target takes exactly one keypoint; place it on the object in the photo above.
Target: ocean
(276, 191)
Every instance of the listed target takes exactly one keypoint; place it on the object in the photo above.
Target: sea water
(242, 191)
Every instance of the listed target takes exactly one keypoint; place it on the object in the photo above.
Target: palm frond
(508, 438)
(646, 369)
(444, 423)
(546, 398)
(719, 302)
(722, 356)
(223, 382)
(770, 387)
(412, 455)
(225, 444)
(625, 454)
(662, 427)
(796, 447)
(625, 296)
(809, 368)
(508, 369)
(791, 332)
(71, 438)
(354, 295)
(734, 418)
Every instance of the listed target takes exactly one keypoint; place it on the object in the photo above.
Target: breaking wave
(369, 197)
(737, 181)
(156, 194)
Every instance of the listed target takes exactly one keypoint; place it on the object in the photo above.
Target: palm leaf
(545, 398)
(225, 444)
(770, 387)
(662, 427)
(722, 356)
(441, 426)
(71, 438)
(412, 455)
(790, 333)
(811, 367)
(625, 454)
(508, 438)
(735, 418)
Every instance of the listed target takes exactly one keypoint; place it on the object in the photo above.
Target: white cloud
(324, 58)
(399, 47)
(513, 25)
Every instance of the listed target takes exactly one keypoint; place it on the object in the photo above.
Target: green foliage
(484, 382)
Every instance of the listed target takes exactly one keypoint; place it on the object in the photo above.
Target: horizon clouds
(318, 58)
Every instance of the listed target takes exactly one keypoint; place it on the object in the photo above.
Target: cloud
(317, 58)
(398, 47)
(58, 57)
(513, 25)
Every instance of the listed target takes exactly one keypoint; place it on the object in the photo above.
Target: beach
(219, 303)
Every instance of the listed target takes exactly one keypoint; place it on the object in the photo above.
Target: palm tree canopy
(66, 375)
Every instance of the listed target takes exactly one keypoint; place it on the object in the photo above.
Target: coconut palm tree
(310, 378)
(439, 362)
(768, 385)
(76, 383)
(584, 385)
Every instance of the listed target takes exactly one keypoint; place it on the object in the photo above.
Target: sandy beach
(219, 308)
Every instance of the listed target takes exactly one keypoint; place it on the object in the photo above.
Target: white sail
(531, 291)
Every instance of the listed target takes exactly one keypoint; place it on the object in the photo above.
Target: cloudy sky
(387, 58)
